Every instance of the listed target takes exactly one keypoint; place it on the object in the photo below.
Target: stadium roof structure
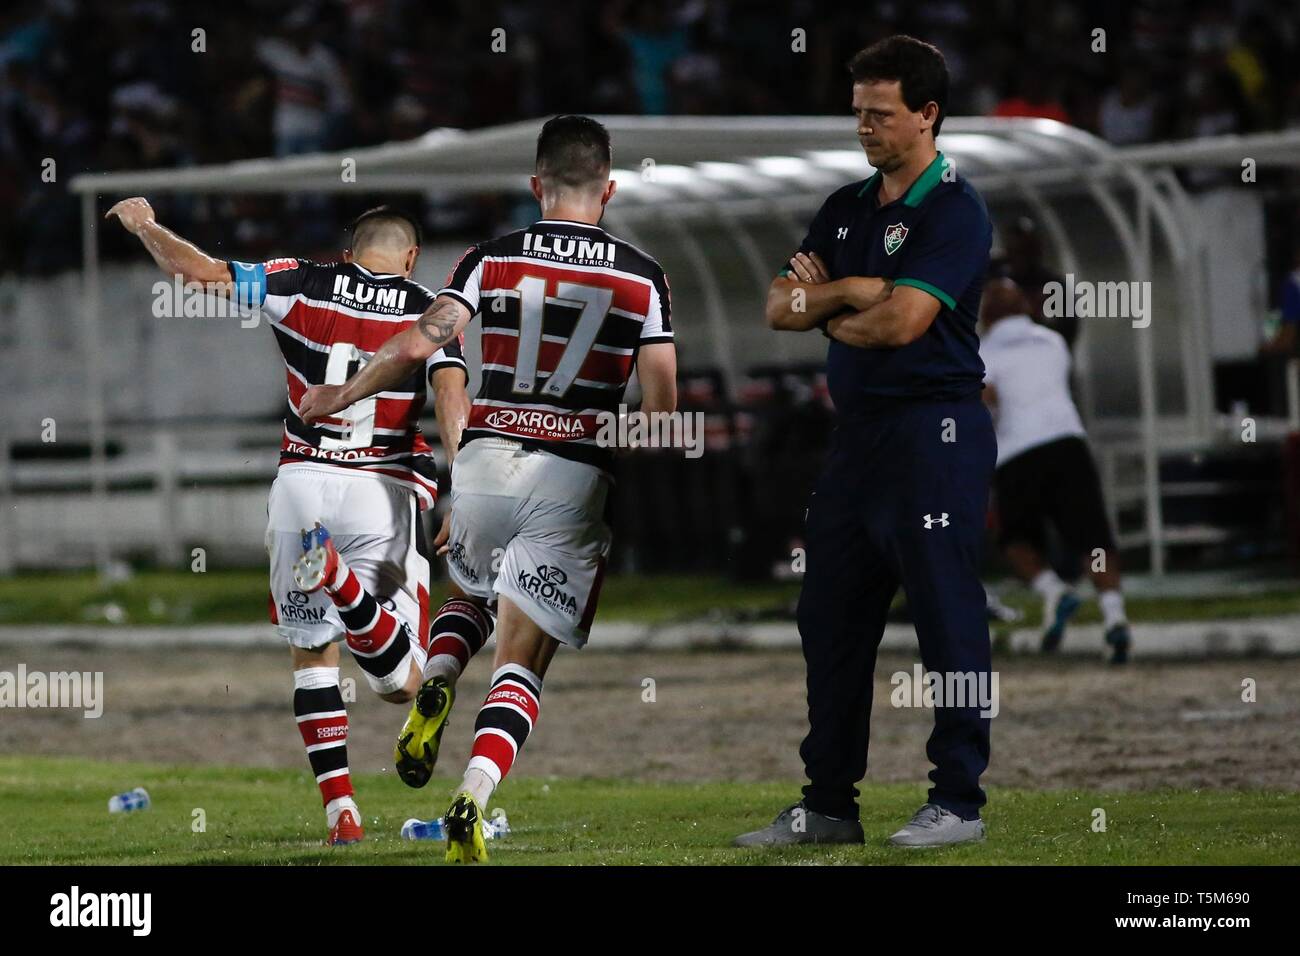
(657, 159)
(664, 158)
(738, 171)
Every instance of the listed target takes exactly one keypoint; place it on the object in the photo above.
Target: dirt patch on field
(714, 715)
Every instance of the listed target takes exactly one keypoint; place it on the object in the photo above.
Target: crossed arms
(882, 316)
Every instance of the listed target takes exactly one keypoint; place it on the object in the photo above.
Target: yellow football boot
(464, 824)
(417, 744)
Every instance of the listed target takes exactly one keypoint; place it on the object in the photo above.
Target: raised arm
(396, 359)
(174, 255)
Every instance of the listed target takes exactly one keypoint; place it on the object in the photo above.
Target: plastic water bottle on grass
(132, 800)
(414, 829)
(494, 828)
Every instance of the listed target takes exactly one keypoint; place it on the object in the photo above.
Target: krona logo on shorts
(303, 615)
(552, 574)
(457, 556)
(894, 237)
(544, 585)
(537, 423)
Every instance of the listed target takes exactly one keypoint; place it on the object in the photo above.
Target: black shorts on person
(1056, 482)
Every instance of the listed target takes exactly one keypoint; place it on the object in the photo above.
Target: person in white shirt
(1045, 472)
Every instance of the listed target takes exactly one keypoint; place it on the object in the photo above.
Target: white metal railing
(162, 490)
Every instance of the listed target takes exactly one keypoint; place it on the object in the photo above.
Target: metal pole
(1293, 394)
(1136, 246)
(760, 270)
(1188, 244)
(92, 342)
(1147, 393)
(715, 311)
(166, 484)
(8, 504)
(1069, 261)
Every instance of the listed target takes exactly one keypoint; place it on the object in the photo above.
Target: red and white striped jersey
(565, 307)
(329, 319)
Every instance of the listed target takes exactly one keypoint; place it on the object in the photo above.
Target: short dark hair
(573, 151)
(919, 68)
(372, 222)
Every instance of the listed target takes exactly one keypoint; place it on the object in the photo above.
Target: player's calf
(458, 632)
(504, 722)
(380, 642)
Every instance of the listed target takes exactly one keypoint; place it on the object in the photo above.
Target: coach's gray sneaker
(798, 824)
(934, 826)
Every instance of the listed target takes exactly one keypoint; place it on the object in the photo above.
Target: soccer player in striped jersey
(364, 474)
(568, 311)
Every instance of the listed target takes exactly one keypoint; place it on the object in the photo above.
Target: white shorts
(376, 528)
(530, 526)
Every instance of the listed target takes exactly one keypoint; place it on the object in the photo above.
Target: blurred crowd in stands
(127, 84)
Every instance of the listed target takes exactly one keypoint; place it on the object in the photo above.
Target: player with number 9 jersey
(344, 532)
(327, 319)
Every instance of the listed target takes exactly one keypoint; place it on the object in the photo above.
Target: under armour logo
(841, 232)
(931, 521)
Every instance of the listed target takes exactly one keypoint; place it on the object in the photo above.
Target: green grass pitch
(56, 813)
(162, 597)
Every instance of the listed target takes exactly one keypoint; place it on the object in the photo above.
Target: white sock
(442, 665)
(1112, 608)
(313, 678)
(480, 785)
(336, 807)
(1048, 584)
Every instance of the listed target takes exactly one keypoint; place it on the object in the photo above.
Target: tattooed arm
(395, 361)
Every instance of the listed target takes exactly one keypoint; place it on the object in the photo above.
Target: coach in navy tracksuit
(891, 270)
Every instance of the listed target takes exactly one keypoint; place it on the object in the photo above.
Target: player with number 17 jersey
(564, 307)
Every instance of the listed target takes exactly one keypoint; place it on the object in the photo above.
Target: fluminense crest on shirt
(894, 237)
